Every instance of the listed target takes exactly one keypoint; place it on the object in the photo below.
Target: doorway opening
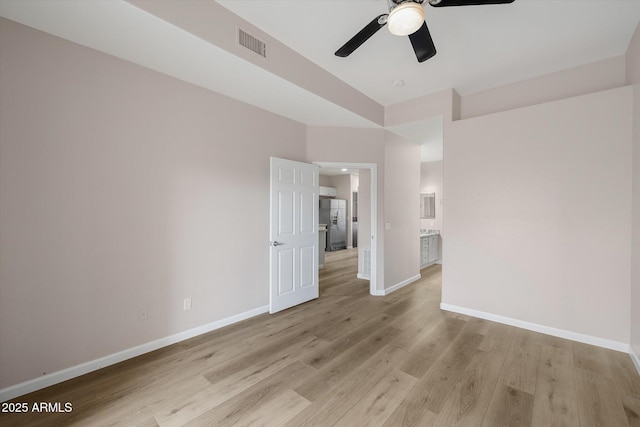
(366, 237)
(428, 133)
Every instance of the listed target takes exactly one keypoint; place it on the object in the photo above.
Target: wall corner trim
(397, 286)
(561, 333)
(102, 362)
(635, 358)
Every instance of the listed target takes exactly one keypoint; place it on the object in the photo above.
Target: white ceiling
(338, 171)
(428, 133)
(119, 28)
(479, 47)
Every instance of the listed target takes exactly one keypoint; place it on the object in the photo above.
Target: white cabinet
(328, 191)
(429, 250)
(433, 249)
(424, 252)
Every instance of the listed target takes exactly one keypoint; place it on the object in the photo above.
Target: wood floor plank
(343, 363)
(276, 410)
(334, 360)
(416, 332)
(310, 322)
(509, 407)
(229, 384)
(470, 399)
(409, 303)
(269, 350)
(478, 326)
(431, 348)
(555, 402)
(335, 401)
(422, 314)
(329, 351)
(232, 410)
(432, 391)
(520, 370)
(631, 407)
(624, 373)
(596, 405)
(498, 339)
(591, 358)
(379, 401)
(347, 322)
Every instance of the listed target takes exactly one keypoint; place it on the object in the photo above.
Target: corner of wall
(455, 105)
(632, 59)
(635, 357)
(632, 69)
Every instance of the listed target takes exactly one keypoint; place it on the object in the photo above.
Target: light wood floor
(350, 359)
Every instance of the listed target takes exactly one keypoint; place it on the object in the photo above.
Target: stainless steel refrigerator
(333, 212)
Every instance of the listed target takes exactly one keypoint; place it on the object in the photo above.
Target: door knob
(277, 243)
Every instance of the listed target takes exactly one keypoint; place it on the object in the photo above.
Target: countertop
(429, 233)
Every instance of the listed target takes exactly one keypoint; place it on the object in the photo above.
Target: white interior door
(294, 233)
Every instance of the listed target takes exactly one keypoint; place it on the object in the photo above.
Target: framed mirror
(427, 205)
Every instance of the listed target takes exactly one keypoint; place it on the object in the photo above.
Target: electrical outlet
(187, 304)
(143, 313)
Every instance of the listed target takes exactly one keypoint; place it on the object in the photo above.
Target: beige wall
(597, 76)
(401, 208)
(283, 61)
(325, 181)
(538, 219)
(353, 145)
(518, 98)
(122, 188)
(398, 170)
(117, 185)
(633, 77)
(445, 103)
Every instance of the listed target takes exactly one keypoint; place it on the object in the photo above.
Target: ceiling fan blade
(445, 3)
(363, 35)
(423, 43)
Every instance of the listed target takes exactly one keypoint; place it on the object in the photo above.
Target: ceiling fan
(406, 18)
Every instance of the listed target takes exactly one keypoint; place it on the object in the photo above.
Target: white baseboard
(397, 286)
(561, 333)
(635, 358)
(363, 277)
(84, 368)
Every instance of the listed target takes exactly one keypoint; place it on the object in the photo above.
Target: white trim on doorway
(373, 167)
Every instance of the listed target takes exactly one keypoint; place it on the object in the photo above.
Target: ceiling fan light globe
(405, 19)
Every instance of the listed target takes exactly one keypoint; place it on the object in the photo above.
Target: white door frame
(373, 167)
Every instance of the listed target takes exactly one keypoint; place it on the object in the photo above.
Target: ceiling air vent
(247, 40)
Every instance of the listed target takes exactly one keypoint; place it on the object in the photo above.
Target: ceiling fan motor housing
(405, 18)
(395, 3)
